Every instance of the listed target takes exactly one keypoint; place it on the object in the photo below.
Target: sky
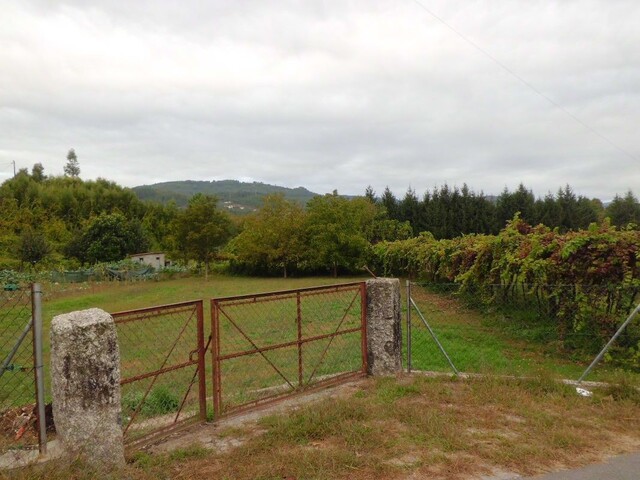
(333, 94)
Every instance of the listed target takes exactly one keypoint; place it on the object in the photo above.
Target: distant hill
(235, 196)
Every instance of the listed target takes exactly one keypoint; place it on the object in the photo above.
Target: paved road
(622, 467)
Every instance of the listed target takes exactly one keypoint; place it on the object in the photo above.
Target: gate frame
(335, 380)
(199, 372)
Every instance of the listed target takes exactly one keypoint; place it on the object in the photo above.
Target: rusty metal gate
(162, 357)
(272, 345)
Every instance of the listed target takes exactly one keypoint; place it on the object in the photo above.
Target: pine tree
(624, 210)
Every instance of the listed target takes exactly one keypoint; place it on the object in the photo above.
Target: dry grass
(411, 427)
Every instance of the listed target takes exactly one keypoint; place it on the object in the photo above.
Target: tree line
(332, 234)
(65, 222)
(449, 212)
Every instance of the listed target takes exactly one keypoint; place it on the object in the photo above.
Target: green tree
(370, 194)
(61, 208)
(72, 168)
(272, 237)
(157, 224)
(108, 238)
(576, 211)
(390, 202)
(624, 210)
(337, 230)
(33, 247)
(409, 208)
(201, 230)
(384, 229)
(548, 211)
(510, 203)
(37, 172)
(598, 208)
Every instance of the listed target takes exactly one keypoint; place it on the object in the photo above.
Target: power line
(523, 81)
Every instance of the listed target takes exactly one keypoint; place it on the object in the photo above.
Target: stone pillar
(85, 381)
(384, 333)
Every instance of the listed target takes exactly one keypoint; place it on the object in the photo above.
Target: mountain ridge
(233, 195)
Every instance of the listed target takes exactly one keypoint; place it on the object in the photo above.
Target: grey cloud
(324, 94)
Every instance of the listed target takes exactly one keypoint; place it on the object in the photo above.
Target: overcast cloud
(325, 94)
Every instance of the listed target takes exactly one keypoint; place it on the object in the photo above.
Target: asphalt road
(622, 467)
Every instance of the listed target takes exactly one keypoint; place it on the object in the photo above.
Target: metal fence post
(299, 326)
(408, 326)
(215, 361)
(609, 343)
(38, 364)
(202, 380)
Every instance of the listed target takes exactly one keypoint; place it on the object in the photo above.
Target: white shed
(154, 259)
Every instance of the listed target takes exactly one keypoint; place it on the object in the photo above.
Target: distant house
(154, 259)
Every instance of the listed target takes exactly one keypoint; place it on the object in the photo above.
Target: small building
(154, 259)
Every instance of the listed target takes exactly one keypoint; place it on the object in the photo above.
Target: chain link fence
(270, 345)
(21, 373)
(523, 329)
(162, 368)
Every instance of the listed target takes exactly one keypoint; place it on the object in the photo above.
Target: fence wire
(17, 375)
(270, 345)
(525, 329)
(162, 368)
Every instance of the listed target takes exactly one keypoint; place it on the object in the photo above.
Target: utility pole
(14, 168)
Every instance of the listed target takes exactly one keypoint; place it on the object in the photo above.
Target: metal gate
(162, 354)
(272, 345)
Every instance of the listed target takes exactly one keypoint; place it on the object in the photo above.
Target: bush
(160, 400)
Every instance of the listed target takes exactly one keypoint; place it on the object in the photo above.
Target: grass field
(481, 342)
(476, 342)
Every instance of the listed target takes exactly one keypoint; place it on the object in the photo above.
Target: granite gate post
(384, 332)
(85, 380)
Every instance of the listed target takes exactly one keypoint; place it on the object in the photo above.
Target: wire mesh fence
(162, 368)
(267, 346)
(524, 329)
(18, 387)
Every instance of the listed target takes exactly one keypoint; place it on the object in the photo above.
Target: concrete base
(85, 381)
(384, 331)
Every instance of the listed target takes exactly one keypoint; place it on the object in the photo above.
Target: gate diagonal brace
(346, 312)
(258, 350)
(146, 394)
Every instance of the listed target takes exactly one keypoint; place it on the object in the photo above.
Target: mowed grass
(406, 427)
(118, 296)
(482, 342)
